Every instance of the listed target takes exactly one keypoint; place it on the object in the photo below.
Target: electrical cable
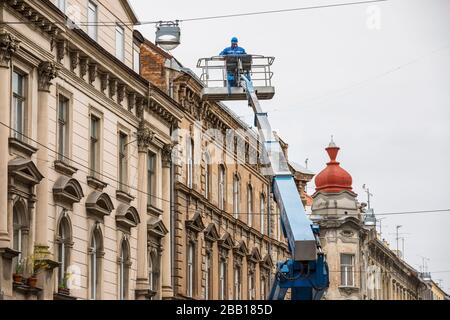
(128, 23)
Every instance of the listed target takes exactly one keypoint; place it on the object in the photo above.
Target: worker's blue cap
(234, 40)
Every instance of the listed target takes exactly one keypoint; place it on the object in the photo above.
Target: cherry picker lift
(306, 272)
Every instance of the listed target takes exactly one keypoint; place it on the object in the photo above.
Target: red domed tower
(333, 178)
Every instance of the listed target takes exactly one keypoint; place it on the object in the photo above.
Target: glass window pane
(92, 20)
(120, 43)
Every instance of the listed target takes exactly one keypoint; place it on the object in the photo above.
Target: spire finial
(332, 144)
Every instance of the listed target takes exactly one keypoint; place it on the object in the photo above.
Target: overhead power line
(234, 15)
(187, 208)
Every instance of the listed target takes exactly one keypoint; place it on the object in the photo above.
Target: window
(61, 5)
(63, 128)
(95, 264)
(237, 283)
(153, 271)
(120, 43)
(190, 270)
(207, 174)
(221, 187)
(151, 179)
(136, 58)
(208, 276)
(18, 108)
(251, 286)
(236, 195)
(263, 288)
(123, 270)
(222, 280)
(262, 210)
(123, 163)
(250, 205)
(19, 227)
(63, 244)
(347, 274)
(92, 20)
(189, 161)
(94, 151)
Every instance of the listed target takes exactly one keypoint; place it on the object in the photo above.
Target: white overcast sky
(383, 93)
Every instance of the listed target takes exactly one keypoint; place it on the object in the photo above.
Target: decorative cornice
(8, 46)
(47, 71)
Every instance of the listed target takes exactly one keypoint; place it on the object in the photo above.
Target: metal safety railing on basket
(214, 70)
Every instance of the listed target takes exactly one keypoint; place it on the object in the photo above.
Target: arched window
(124, 270)
(262, 212)
(190, 269)
(190, 161)
(237, 283)
(250, 205)
(236, 195)
(207, 174)
(20, 228)
(64, 243)
(221, 187)
(222, 279)
(96, 252)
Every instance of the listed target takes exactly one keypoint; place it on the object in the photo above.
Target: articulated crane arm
(306, 273)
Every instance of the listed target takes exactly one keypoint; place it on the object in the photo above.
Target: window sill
(22, 147)
(153, 210)
(124, 196)
(62, 296)
(63, 167)
(96, 183)
(26, 289)
(348, 289)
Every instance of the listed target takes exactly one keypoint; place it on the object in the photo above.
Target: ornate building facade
(85, 146)
(226, 232)
(361, 265)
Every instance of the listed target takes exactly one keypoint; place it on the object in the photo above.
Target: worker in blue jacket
(233, 50)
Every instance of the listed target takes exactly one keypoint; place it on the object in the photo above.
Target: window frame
(122, 160)
(92, 28)
(250, 205)
(236, 195)
(190, 274)
(262, 212)
(95, 144)
(347, 269)
(151, 178)
(64, 246)
(190, 162)
(221, 187)
(120, 47)
(222, 279)
(19, 98)
(124, 269)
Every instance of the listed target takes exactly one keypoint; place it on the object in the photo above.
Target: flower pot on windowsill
(64, 291)
(17, 277)
(32, 281)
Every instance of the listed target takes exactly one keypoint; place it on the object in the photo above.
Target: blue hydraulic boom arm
(306, 273)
